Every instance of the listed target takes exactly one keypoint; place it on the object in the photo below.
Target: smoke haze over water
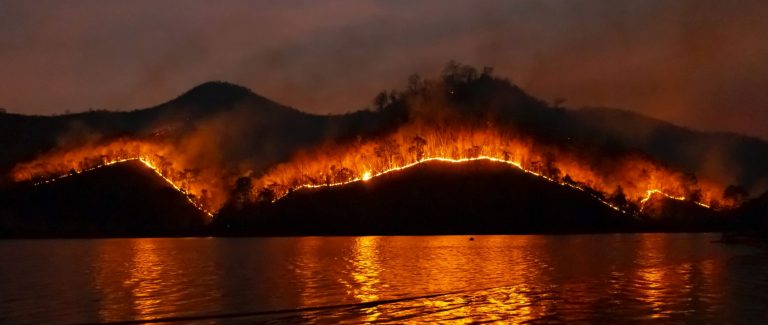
(699, 63)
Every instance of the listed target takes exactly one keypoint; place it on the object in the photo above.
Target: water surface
(591, 278)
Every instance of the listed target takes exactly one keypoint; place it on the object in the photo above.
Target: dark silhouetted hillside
(232, 126)
(432, 198)
(248, 128)
(125, 199)
(752, 216)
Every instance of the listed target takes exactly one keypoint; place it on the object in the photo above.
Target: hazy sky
(699, 63)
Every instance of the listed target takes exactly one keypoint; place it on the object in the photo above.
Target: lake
(568, 278)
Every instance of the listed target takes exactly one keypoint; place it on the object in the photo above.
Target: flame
(335, 165)
(651, 193)
(201, 188)
(340, 163)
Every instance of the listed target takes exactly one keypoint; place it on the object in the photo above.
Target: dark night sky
(699, 63)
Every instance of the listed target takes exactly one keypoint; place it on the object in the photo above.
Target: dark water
(591, 278)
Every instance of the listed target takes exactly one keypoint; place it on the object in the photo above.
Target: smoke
(700, 63)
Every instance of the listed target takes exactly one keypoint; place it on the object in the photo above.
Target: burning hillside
(204, 188)
(464, 116)
(625, 184)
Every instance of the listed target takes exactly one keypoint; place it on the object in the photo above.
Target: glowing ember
(652, 193)
(196, 186)
(627, 181)
(625, 184)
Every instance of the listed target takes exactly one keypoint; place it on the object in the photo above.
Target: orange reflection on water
(306, 268)
(143, 278)
(482, 282)
(651, 276)
(434, 279)
(365, 273)
(366, 269)
(517, 279)
(130, 273)
(146, 279)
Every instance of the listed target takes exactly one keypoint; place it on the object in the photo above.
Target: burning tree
(243, 191)
(417, 147)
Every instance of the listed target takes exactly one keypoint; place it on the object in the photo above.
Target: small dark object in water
(471, 238)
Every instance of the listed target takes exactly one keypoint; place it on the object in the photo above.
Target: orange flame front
(336, 164)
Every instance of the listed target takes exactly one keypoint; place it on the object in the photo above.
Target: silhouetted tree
(691, 187)
(385, 99)
(267, 194)
(568, 180)
(549, 168)
(534, 166)
(243, 191)
(381, 101)
(344, 174)
(415, 83)
(455, 73)
(618, 197)
(163, 164)
(417, 147)
(715, 204)
(387, 150)
(487, 72)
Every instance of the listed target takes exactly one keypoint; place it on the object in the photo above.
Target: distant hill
(221, 125)
(23, 137)
(722, 156)
(247, 127)
(239, 124)
(753, 215)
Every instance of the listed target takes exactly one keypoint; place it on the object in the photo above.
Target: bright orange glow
(334, 164)
(203, 188)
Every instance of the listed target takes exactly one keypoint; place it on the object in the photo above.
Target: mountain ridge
(228, 127)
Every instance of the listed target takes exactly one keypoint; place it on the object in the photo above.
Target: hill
(443, 198)
(245, 128)
(217, 134)
(726, 157)
(125, 199)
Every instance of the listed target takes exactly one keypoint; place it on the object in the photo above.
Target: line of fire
(432, 123)
(627, 186)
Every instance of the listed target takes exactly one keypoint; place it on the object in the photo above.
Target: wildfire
(628, 178)
(368, 175)
(625, 181)
(189, 198)
(149, 165)
(204, 189)
(653, 192)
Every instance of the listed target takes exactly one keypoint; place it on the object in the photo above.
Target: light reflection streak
(365, 273)
(513, 279)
